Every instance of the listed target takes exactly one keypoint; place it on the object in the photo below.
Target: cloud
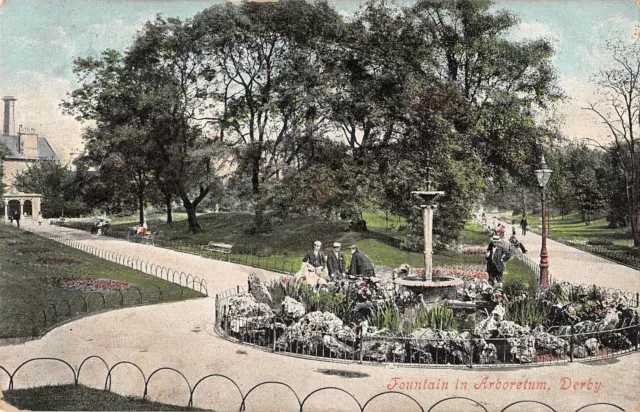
(38, 107)
(24, 40)
(578, 122)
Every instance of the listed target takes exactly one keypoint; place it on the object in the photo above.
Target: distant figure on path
(360, 264)
(496, 257)
(501, 231)
(523, 225)
(336, 263)
(495, 223)
(16, 217)
(39, 218)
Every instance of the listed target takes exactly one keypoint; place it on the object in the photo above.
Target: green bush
(529, 312)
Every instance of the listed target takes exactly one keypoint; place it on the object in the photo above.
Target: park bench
(217, 247)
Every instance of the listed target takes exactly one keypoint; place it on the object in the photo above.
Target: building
(26, 149)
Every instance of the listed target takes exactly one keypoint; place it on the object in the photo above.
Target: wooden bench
(217, 247)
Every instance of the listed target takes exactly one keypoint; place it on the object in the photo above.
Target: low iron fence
(389, 398)
(432, 348)
(275, 264)
(54, 313)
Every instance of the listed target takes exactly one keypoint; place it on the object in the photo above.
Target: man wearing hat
(360, 264)
(335, 262)
(497, 255)
(315, 258)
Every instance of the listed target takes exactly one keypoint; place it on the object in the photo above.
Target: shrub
(600, 242)
(528, 312)
(387, 316)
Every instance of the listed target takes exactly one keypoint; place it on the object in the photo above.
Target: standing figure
(361, 265)
(16, 217)
(516, 243)
(496, 257)
(523, 225)
(501, 230)
(39, 218)
(316, 258)
(335, 262)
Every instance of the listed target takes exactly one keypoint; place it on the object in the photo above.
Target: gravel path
(180, 335)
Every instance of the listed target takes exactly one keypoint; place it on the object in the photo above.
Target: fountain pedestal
(431, 288)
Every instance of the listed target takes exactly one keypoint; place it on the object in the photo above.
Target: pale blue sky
(40, 38)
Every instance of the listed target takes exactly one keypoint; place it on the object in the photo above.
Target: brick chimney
(9, 126)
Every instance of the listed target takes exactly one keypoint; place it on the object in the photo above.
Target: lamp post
(543, 174)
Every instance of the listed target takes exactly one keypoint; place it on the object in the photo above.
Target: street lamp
(543, 174)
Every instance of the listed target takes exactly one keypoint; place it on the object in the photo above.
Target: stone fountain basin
(435, 282)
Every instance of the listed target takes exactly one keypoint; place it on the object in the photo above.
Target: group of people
(335, 263)
(15, 217)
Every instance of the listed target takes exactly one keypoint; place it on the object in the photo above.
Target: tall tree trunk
(194, 226)
(168, 203)
(141, 200)
(259, 218)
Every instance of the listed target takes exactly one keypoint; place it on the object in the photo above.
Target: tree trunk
(259, 219)
(194, 226)
(141, 204)
(168, 203)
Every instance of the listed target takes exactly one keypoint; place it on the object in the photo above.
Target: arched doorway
(27, 209)
(14, 206)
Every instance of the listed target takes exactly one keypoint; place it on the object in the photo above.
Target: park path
(180, 335)
(576, 266)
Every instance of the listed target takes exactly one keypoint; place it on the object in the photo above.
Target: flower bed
(474, 250)
(87, 285)
(460, 271)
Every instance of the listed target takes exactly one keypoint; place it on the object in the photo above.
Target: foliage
(515, 288)
(436, 317)
(387, 316)
(529, 312)
(61, 189)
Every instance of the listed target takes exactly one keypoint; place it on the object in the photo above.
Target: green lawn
(32, 267)
(285, 246)
(571, 227)
(81, 398)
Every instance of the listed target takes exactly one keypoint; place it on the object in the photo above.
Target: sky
(40, 38)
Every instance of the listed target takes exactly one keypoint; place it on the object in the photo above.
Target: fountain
(432, 288)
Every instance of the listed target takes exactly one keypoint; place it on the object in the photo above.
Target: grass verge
(81, 398)
(36, 282)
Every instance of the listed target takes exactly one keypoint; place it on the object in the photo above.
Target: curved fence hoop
(244, 398)
(388, 393)
(104, 301)
(159, 290)
(146, 385)
(454, 398)
(519, 402)
(55, 311)
(68, 306)
(108, 378)
(22, 315)
(84, 361)
(214, 375)
(73, 371)
(598, 404)
(7, 372)
(83, 300)
(162, 270)
(121, 297)
(331, 388)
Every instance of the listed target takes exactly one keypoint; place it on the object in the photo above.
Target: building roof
(45, 152)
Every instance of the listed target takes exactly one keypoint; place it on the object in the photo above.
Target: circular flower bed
(87, 285)
(367, 319)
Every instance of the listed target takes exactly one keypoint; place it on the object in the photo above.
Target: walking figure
(496, 257)
(523, 225)
(16, 217)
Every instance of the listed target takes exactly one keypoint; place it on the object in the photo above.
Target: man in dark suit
(361, 265)
(316, 258)
(335, 262)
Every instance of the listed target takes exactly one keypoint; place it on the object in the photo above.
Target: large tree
(267, 79)
(619, 111)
